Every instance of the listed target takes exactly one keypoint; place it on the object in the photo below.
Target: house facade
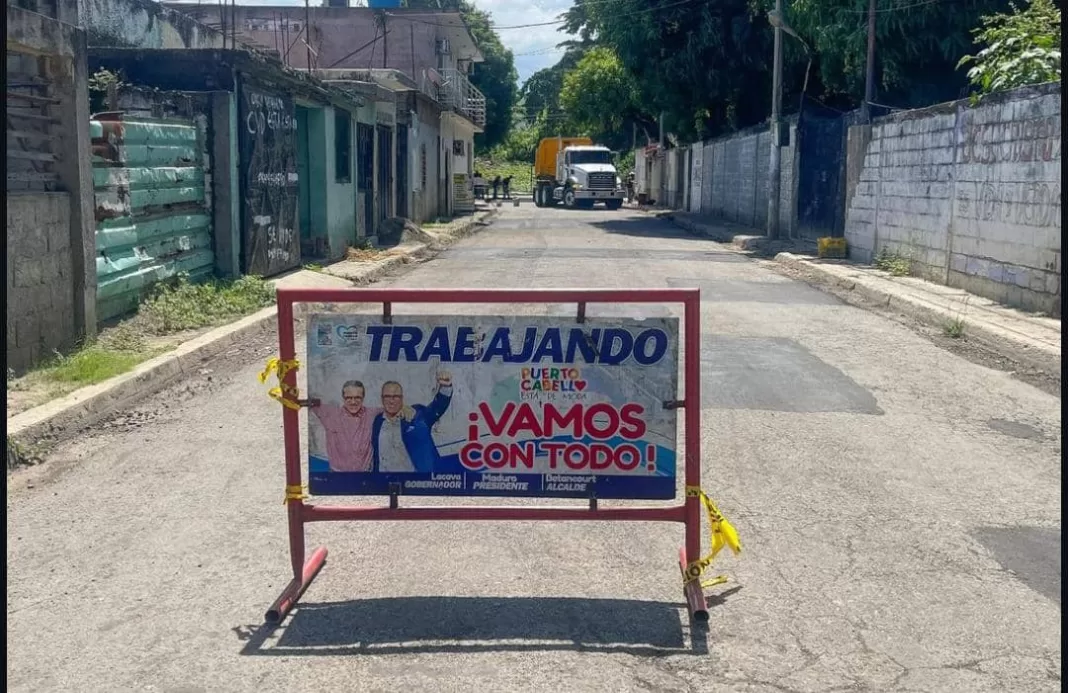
(423, 56)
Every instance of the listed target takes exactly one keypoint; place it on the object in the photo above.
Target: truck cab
(579, 175)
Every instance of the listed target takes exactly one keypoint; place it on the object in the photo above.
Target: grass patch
(894, 264)
(520, 171)
(171, 312)
(93, 364)
(185, 306)
(313, 267)
(954, 329)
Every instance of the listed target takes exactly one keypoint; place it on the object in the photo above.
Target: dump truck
(576, 172)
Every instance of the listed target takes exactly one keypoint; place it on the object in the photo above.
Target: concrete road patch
(776, 374)
(1031, 554)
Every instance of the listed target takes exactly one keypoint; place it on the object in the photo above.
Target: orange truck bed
(545, 157)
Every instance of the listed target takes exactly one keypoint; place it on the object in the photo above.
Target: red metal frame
(300, 513)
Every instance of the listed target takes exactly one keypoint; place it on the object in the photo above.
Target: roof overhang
(450, 25)
(450, 116)
(393, 80)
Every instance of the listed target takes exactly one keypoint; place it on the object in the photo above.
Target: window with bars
(342, 147)
(422, 166)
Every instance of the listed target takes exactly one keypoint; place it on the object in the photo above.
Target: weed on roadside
(173, 308)
(894, 264)
(21, 455)
(187, 306)
(954, 329)
(313, 267)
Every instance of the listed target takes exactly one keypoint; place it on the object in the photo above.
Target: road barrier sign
(568, 407)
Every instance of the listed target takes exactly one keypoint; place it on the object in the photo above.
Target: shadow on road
(414, 625)
(643, 226)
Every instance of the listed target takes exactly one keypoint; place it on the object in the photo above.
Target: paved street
(899, 508)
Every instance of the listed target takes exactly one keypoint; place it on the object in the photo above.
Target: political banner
(492, 406)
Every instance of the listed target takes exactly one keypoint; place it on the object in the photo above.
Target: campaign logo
(348, 334)
(322, 335)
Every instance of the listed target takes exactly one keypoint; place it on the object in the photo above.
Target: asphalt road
(899, 508)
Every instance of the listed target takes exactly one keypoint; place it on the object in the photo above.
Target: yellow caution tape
(722, 534)
(294, 492)
(282, 368)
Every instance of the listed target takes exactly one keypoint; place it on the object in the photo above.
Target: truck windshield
(593, 157)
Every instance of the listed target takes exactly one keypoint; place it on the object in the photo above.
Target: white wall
(971, 196)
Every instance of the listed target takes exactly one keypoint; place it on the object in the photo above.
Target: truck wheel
(613, 204)
(569, 198)
(537, 195)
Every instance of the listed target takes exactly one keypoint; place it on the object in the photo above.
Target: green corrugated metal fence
(153, 216)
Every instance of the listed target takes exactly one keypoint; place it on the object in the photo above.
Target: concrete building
(424, 55)
(51, 282)
(281, 157)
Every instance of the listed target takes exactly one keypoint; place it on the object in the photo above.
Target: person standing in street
(496, 185)
(507, 187)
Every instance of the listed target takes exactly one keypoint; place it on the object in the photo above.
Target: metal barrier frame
(300, 513)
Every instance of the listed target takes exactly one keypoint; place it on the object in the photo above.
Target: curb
(760, 245)
(862, 295)
(463, 229)
(89, 405)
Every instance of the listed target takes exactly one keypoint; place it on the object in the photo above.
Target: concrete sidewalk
(1025, 337)
(1029, 339)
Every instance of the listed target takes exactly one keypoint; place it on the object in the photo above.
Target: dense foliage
(706, 64)
(1018, 49)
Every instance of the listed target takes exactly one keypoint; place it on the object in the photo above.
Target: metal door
(384, 175)
(365, 173)
(402, 171)
(821, 163)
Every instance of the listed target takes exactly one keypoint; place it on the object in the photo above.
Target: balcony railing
(452, 89)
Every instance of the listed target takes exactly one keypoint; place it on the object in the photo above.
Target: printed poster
(492, 406)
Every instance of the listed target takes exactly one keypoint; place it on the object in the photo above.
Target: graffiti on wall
(1034, 139)
(270, 241)
(1027, 204)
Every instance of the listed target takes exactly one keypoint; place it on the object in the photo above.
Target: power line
(922, 3)
(555, 22)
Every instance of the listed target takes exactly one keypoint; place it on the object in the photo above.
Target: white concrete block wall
(732, 179)
(697, 172)
(971, 195)
(787, 197)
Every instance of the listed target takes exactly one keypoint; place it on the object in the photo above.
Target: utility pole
(307, 34)
(869, 77)
(661, 131)
(774, 170)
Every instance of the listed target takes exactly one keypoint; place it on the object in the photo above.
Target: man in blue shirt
(404, 444)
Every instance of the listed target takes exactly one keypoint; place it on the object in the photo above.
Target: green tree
(598, 95)
(704, 64)
(1019, 48)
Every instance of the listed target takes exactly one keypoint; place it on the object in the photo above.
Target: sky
(534, 47)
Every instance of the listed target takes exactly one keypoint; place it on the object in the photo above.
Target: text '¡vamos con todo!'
(609, 346)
